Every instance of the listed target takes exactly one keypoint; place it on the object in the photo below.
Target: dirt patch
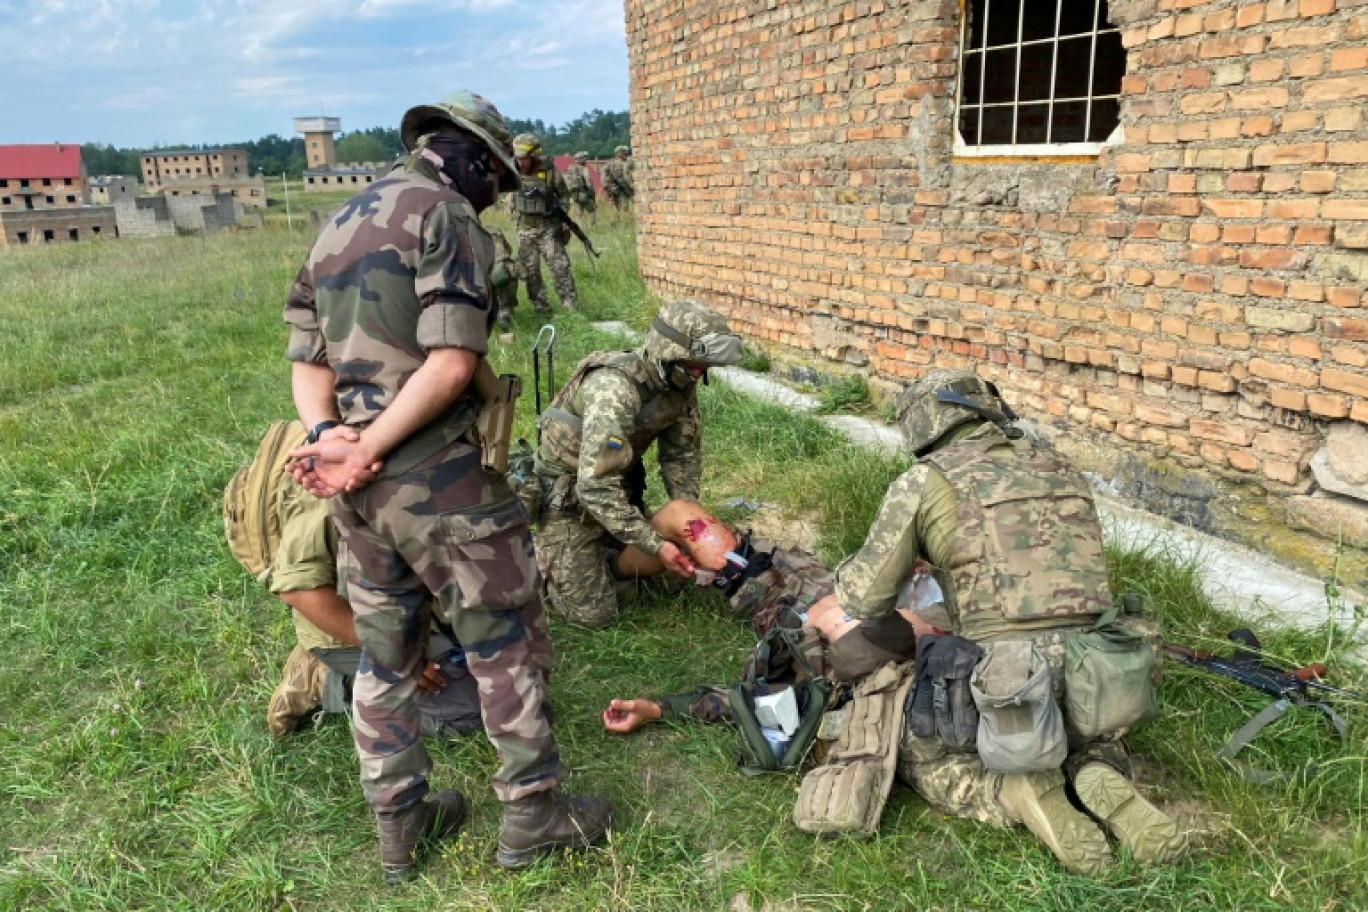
(769, 522)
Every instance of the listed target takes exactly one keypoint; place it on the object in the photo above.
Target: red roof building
(47, 176)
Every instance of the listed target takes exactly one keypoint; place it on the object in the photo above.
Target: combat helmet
(581, 157)
(943, 400)
(526, 144)
(622, 150)
(685, 330)
(474, 114)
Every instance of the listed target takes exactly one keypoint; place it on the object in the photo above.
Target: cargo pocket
(1108, 681)
(1021, 729)
(490, 558)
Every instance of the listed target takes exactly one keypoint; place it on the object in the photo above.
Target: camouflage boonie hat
(622, 150)
(685, 330)
(475, 114)
(935, 405)
(526, 144)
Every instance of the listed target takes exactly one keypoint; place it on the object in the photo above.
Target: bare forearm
(314, 397)
(429, 392)
(326, 610)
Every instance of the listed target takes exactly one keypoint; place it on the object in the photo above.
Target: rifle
(1287, 687)
(562, 217)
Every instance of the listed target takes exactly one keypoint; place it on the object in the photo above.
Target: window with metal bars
(1038, 77)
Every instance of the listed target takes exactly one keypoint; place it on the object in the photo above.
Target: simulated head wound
(943, 400)
(525, 144)
(685, 330)
(472, 113)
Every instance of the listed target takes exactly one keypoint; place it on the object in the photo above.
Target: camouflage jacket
(579, 182)
(401, 268)
(542, 191)
(610, 410)
(1012, 531)
(617, 178)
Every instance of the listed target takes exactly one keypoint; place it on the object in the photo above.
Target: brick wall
(1185, 313)
(57, 226)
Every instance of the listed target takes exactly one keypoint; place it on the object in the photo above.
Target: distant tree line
(596, 132)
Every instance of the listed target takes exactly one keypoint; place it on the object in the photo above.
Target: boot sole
(1088, 852)
(1151, 835)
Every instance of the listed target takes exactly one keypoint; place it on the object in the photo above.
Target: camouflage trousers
(620, 201)
(573, 553)
(586, 207)
(455, 709)
(543, 242)
(956, 782)
(448, 531)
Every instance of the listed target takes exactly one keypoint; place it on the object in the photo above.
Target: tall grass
(136, 657)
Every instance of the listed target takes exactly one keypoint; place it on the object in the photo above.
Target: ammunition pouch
(493, 428)
(848, 793)
(532, 201)
(941, 705)
(1021, 729)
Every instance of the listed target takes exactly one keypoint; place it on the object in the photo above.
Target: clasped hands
(338, 462)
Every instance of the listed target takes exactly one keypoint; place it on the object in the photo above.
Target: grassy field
(137, 658)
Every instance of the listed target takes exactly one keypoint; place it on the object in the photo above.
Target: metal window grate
(1038, 77)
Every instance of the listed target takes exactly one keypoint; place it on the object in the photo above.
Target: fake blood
(695, 529)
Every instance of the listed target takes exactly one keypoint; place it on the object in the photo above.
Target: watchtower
(318, 132)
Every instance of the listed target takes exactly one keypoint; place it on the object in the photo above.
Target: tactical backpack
(783, 657)
(249, 517)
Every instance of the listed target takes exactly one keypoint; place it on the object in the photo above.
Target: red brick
(1292, 400)
(1335, 90)
(1353, 330)
(1221, 432)
(1295, 154)
(1355, 383)
(1355, 58)
(1348, 153)
(1325, 405)
(1347, 209)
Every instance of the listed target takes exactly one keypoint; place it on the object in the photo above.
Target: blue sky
(145, 72)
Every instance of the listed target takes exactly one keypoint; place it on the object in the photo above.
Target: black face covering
(466, 163)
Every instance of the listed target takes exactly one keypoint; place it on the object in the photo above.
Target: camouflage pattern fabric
(545, 241)
(611, 409)
(618, 182)
(455, 709)
(445, 528)
(572, 555)
(793, 582)
(402, 267)
(581, 187)
(952, 783)
(504, 275)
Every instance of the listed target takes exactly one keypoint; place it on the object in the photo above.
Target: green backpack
(784, 656)
(249, 517)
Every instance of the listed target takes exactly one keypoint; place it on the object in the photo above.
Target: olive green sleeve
(867, 582)
(608, 403)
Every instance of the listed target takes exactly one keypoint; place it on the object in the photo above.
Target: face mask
(678, 376)
(465, 163)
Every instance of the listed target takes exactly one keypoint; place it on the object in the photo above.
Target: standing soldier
(540, 234)
(617, 179)
(504, 278)
(390, 317)
(595, 536)
(581, 184)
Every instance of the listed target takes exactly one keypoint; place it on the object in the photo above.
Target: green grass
(135, 770)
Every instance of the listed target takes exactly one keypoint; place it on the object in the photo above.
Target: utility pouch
(940, 704)
(783, 657)
(1021, 729)
(1109, 680)
(847, 794)
(494, 424)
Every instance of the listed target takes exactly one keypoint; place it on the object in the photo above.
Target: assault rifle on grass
(1289, 688)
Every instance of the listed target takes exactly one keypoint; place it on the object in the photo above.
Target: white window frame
(962, 149)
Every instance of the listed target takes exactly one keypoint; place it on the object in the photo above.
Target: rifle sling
(1264, 718)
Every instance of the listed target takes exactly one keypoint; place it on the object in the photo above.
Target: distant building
(203, 173)
(41, 176)
(324, 173)
(104, 190)
(58, 225)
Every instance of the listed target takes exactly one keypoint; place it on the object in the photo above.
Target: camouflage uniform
(504, 277)
(541, 237)
(403, 268)
(618, 182)
(580, 183)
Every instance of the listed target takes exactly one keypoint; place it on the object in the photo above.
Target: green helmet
(685, 330)
(474, 114)
(526, 144)
(581, 157)
(622, 150)
(930, 408)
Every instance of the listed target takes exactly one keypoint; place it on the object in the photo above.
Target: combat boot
(300, 690)
(401, 832)
(541, 823)
(1151, 835)
(1039, 801)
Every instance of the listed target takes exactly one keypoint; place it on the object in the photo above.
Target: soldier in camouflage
(581, 185)
(595, 539)
(617, 179)
(504, 278)
(540, 235)
(1016, 536)
(389, 317)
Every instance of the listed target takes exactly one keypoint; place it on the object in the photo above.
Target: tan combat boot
(1038, 801)
(300, 690)
(1151, 835)
(401, 833)
(541, 823)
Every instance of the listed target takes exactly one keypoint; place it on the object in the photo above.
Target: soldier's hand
(431, 679)
(333, 465)
(676, 561)
(625, 716)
